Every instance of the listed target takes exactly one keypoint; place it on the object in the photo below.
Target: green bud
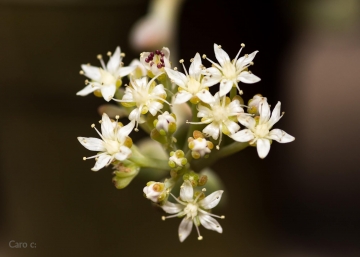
(124, 174)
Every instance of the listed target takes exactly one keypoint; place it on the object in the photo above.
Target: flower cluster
(157, 98)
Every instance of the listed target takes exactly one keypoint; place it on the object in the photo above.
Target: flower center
(141, 97)
(191, 210)
(156, 58)
(107, 78)
(219, 113)
(261, 130)
(112, 146)
(229, 71)
(193, 86)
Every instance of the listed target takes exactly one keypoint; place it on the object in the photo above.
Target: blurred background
(302, 200)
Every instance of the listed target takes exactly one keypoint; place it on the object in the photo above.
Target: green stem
(147, 162)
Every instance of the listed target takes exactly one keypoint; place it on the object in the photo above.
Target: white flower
(190, 85)
(156, 61)
(114, 142)
(194, 211)
(258, 131)
(164, 122)
(199, 147)
(155, 191)
(107, 78)
(145, 96)
(254, 103)
(221, 116)
(228, 72)
(176, 159)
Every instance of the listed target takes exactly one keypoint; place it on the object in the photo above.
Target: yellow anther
(181, 61)
(200, 238)
(242, 45)
(122, 54)
(219, 46)
(84, 158)
(204, 56)
(175, 68)
(163, 218)
(109, 53)
(99, 56)
(93, 125)
(204, 189)
(222, 217)
(192, 59)
(82, 72)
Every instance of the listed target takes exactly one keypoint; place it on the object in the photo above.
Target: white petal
(86, 90)
(123, 153)
(212, 130)
(182, 97)
(205, 96)
(275, 116)
(108, 92)
(280, 136)
(211, 200)
(185, 229)
(114, 61)
(247, 77)
(134, 115)
(125, 131)
(195, 67)
(232, 126)
(243, 61)
(123, 71)
(221, 55)
(92, 144)
(246, 120)
(203, 111)
(186, 191)
(107, 127)
(225, 86)
(264, 111)
(215, 77)
(91, 72)
(101, 162)
(235, 107)
(171, 208)
(179, 78)
(166, 52)
(159, 90)
(154, 107)
(244, 135)
(210, 223)
(263, 147)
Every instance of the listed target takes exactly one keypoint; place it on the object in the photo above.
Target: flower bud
(254, 104)
(155, 191)
(177, 159)
(124, 174)
(200, 146)
(165, 123)
(192, 177)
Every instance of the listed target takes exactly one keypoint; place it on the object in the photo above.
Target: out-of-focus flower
(258, 130)
(107, 78)
(114, 142)
(194, 211)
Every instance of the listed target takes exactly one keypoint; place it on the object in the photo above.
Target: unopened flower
(155, 62)
(125, 172)
(221, 114)
(258, 130)
(165, 123)
(191, 87)
(199, 146)
(146, 96)
(113, 145)
(139, 71)
(155, 191)
(107, 78)
(228, 72)
(194, 211)
(254, 103)
(177, 159)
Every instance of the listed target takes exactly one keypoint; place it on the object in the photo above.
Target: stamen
(236, 57)
(204, 56)
(182, 62)
(86, 82)
(84, 158)
(99, 56)
(192, 59)
(109, 53)
(117, 117)
(81, 72)
(175, 68)
(197, 229)
(93, 126)
(168, 217)
(122, 54)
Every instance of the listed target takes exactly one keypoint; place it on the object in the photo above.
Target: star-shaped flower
(146, 96)
(258, 130)
(228, 72)
(191, 87)
(107, 78)
(194, 211)
(221, 115)
(114, 142)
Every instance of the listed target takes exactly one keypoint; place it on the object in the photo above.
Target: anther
(242, 45)
(84, 158)
(241, 92)
(200, 238)
(142, 55)
(93, 125)
(204, 56)
(122, 54)
(192, 59)
(175, 68)
(81, 72)
(163, 218)
(99, 56)
(222, 217)
(136, 129)
(109, 53)
(204, 189)
(86, 82)
(100, 121)
(117, 117)
(251, 63)
(246, 55)
(181, 61)
(219, 46)
(217, 147)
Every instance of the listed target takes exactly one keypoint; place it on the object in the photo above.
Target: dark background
(302, 200)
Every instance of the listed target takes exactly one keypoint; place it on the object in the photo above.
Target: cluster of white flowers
(150, 102)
